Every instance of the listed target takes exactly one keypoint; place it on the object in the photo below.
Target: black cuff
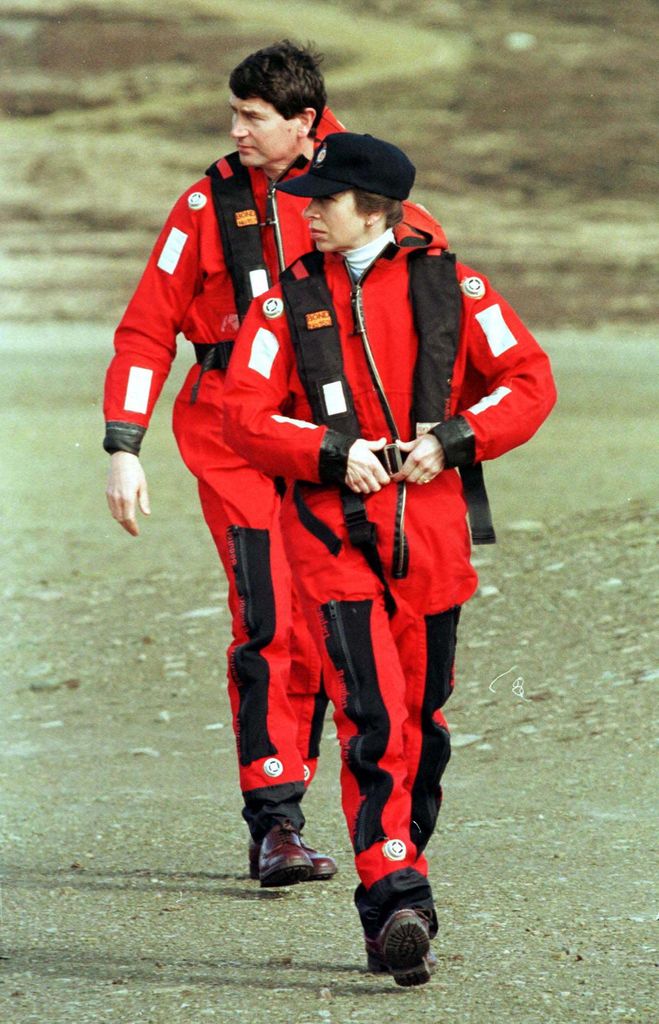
(458, 441)
(333, 458)
(123, 437)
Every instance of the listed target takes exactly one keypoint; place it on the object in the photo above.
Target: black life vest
(436, 305)
(240, 231)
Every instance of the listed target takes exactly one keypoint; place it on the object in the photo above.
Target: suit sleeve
(257, 401)
(145, 340)
(509, 389)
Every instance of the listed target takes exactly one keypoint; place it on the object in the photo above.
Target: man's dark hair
(286, 75)
(371, 202)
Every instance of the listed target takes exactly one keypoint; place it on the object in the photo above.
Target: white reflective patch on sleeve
(499, 336)
(171, 250)
(264, 349)
(489, 400)
(138, 389)
(335, 401)
(258, 282)
(296, 423)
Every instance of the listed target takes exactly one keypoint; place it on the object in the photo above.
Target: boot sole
(291, 874)
(321, 876)
(376, 966)
(405, 952)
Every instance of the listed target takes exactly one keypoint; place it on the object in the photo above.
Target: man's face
(264, 138)
(335, 224)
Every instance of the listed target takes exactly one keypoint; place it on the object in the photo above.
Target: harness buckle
(392, 458)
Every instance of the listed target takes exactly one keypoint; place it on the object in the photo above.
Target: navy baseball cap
(345, 160)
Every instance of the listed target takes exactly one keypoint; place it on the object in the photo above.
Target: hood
(419, 228)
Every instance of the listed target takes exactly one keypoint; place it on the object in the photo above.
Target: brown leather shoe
(282, 861)
(324, 867)
(402, 948)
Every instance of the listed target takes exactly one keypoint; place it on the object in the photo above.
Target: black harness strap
(478, 506)
(210, 357)
(314, 525)
(363, 535)
(238, 221)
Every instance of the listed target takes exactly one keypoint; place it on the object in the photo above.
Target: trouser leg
(427, 646)
(367, 687)
(271, 770)
(241, 509)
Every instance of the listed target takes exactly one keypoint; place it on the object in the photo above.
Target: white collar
(359, 259)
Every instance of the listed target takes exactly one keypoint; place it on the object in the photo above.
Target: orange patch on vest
(245, 218)
(322, 318)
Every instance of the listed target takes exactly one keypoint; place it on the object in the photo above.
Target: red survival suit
(277, 700)
(387, 674)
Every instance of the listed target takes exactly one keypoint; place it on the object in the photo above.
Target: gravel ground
(126, 896)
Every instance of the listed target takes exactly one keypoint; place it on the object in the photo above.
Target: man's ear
(305, 119)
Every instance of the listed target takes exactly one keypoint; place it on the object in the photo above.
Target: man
(375, 367)
(226, 240)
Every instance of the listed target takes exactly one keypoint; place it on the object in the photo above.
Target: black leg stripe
(436, 743)
(250, 560)
(347, 629)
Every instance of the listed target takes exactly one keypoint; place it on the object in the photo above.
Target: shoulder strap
(315, 334)
(437, 305)
(240, 233)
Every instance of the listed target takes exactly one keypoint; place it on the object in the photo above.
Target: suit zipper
(242, 574)
(399, 533)
(337, 621)
(273, 220)
(272, 212)
(360, 324)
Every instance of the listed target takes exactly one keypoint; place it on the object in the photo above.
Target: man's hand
(365, 474)
(126, 489)
(425, 460)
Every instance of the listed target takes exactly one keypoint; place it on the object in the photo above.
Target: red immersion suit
(388, 672)
(274, 676)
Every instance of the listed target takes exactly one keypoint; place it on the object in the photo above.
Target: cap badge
(272, 308)
(473, 287)
(197, 200)
(246, 218)
(321, 318)
(320, 155)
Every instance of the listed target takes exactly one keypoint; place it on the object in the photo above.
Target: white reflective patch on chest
(335, 400)
(171, 250)
(499, 336)
(296, 423)
(138, 389)
(258, 282)
(489, 400)
(264, 349)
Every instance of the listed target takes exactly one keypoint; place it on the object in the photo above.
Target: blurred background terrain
(532, 126)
